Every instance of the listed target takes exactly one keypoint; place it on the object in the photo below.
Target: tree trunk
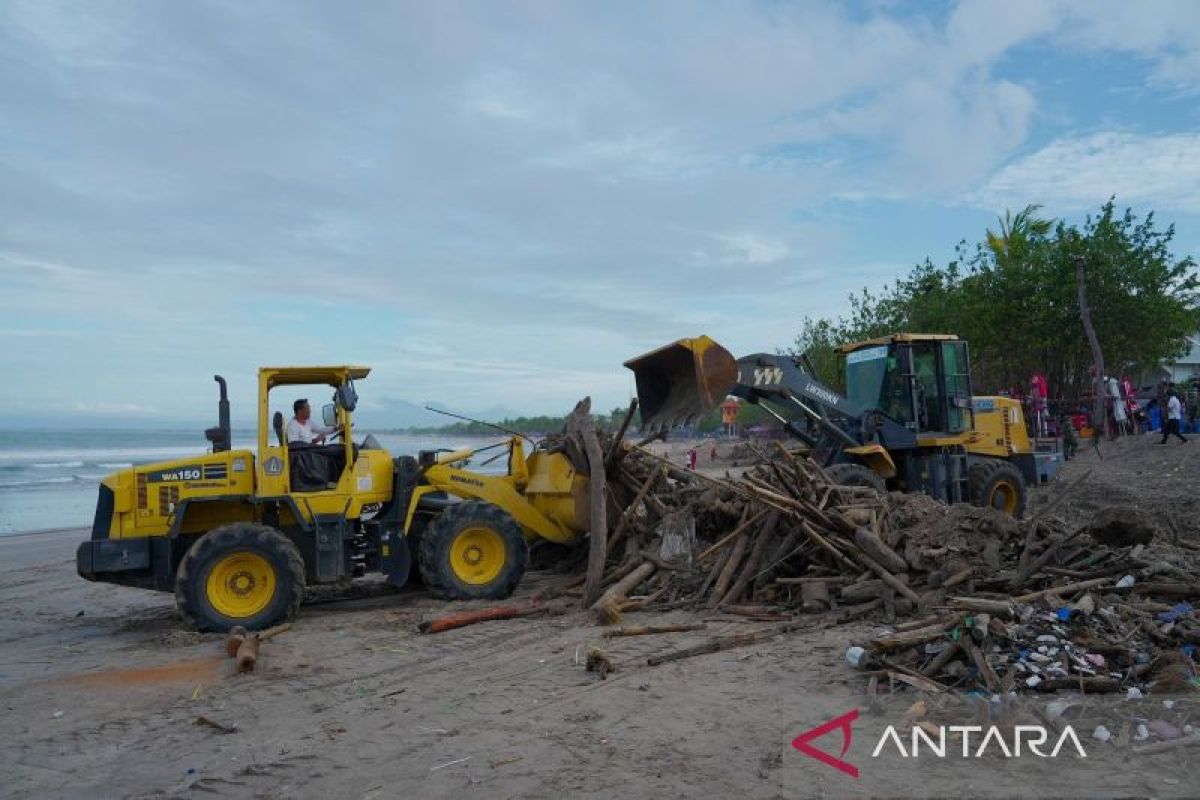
(581, 426)
(1099, 419)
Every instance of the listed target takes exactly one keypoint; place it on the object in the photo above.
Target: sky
(494, 205)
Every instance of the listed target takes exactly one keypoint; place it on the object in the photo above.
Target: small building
(1186, 366)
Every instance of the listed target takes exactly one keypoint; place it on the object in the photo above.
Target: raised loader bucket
(680, 382)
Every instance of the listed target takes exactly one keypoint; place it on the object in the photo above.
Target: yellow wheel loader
(907, 421)
(237, 535)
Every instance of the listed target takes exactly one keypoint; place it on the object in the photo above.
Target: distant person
(1070, 440)
(1174, 415)
(1161, 396)
(691, 459)
(300, 428)
(712, 454)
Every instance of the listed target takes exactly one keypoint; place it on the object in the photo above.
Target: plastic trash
(856, 657)
(1125, 582)
(1134, 693)
(1102, 733)
(1063, 613)
(1176, 612)
(1142, 733)
(1056, 708)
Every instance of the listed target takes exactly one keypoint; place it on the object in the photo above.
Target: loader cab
(286, 468)
(920, 380)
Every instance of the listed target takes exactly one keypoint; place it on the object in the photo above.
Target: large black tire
(995, 483)
(856, 475)
(472, 551)
(240, 574)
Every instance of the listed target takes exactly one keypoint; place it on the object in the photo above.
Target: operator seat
(277, 424)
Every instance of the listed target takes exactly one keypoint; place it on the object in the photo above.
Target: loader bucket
(680, 382)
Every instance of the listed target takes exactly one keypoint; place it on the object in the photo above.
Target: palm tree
(1016, 232)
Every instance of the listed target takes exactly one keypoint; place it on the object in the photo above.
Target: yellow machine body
(358, 517)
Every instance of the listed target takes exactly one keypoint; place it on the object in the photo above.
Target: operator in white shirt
(300, 428)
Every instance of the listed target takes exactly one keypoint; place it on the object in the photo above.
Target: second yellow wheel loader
(907, 421)
(237, 535)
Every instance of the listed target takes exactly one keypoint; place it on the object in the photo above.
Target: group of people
(1174, 409)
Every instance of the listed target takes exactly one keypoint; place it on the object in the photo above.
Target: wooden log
(863, 590)
(873, 546)
(990, 679)
(247, 654)
(1168, 589)
(1035, 521)
(727, 572)
(824, 544)
(582, 427)
(914, 624)
(850, 613)
(958, 577)
(787, 548)
(237, 635)
(648, 630)
(761, 543)
(465, 618)
(1025, 572)
(628, 514)
(893, 641)
(942, 659)
(719, 644)
(888, 600)
(803, 579)
(621, 570)
(1170, 744)
(1090, 684)
(814, 597)
(623, 587)
(1001, 608)
(891, 580)
(615, 451)
(1065, 589)
(729, 537)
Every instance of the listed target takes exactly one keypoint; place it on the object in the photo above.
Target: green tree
(1013, 297)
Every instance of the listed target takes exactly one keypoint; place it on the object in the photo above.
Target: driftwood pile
(995, 603)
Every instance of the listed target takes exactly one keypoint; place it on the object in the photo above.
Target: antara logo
(766, 376)
(927, 739)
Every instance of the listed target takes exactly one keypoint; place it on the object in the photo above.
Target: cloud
(501, 201)
(1078, 172)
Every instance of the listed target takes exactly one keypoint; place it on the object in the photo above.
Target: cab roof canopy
(897, 337)
(290, 376)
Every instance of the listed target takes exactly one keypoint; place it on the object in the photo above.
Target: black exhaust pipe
(221, 436)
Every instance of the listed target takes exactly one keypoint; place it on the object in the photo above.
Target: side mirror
(329, 415)
(346, 397)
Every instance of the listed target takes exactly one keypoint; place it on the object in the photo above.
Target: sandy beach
(102, 687)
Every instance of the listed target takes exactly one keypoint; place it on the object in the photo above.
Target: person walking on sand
(1174, 415)
(692, 459)
(712, 454)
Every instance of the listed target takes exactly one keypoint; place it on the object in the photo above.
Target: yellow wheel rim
(240, 585)
(477, 555)
(1004, 498)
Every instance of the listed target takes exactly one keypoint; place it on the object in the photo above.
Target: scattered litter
(212, 723)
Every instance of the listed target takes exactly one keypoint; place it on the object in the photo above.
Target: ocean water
(49, 478)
